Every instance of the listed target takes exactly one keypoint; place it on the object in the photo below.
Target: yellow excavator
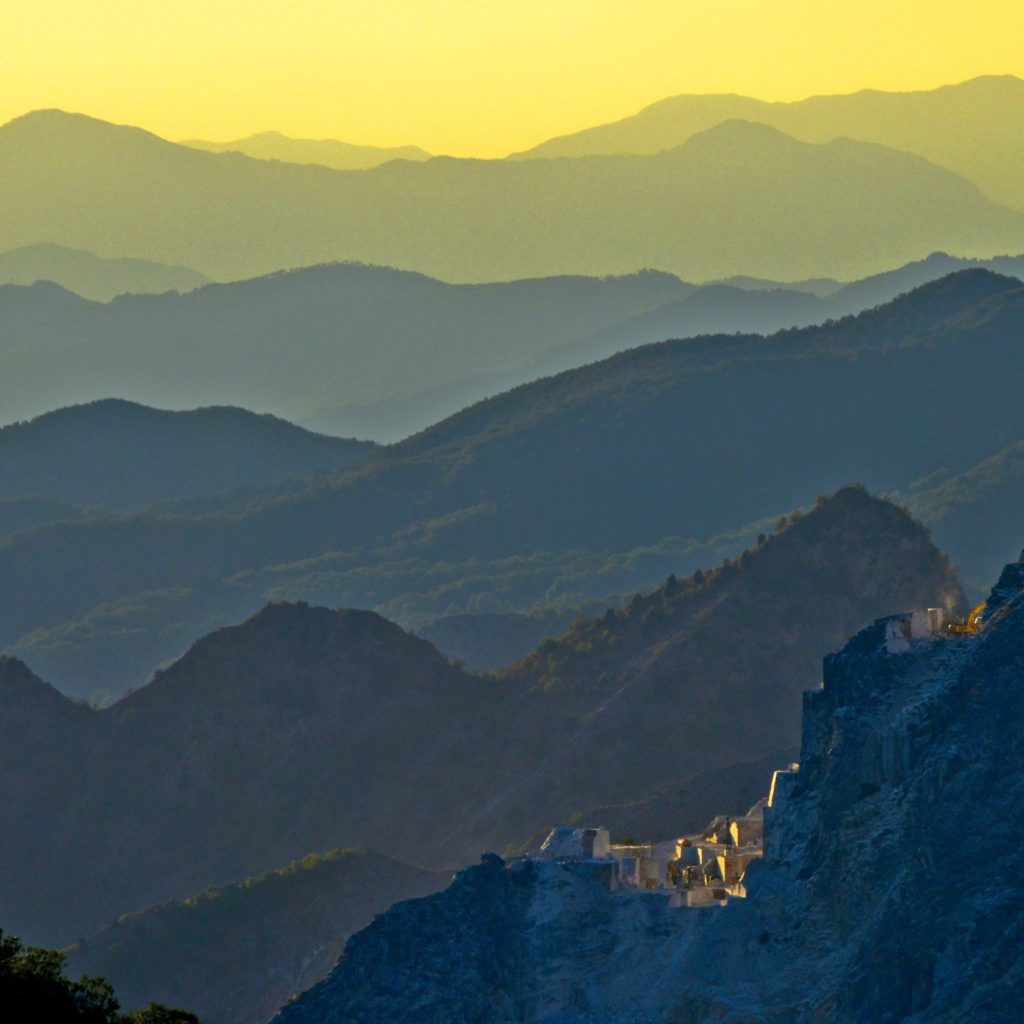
(971, 624)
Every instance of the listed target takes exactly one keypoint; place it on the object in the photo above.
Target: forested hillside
(530, 499)
(121, 456)
(237, 953)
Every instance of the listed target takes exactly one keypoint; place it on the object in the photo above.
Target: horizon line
(192, 139)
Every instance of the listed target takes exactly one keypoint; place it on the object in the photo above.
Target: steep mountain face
(236, 954)
(124, 456)
(975, 128)
(868, 905)
(305, 344)
(342, 156)
(92, 277)
(321, 729)
(737, 199)
(529, 499)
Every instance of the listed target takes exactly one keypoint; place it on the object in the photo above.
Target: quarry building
(704, 869)
(709, 868)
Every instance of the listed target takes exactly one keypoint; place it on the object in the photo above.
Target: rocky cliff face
(891, 889)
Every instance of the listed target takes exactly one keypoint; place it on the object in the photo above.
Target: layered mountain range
(308, 344)
(974, 128)
(737, 198)
(527, 500)
(292, 677)
(374, 352)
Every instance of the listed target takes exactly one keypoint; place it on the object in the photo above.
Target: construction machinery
(971, 624)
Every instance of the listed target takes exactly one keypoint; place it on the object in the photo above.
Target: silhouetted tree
(33, 988)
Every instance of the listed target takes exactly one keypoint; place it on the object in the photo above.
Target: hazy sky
(471, 77)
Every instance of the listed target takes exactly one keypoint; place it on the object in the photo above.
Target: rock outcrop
(890, 890)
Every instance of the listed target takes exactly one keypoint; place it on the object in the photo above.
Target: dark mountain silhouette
(975, 128)
(310, 729)
(34, 986)
(303, 343)
(237, 953)
(116, 644)
(90, 276)
(125, 456)
(632, 659)
(342, 156)
(740, 198)
(534, 496)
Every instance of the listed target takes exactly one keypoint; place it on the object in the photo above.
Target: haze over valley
(548, 583)
(737, 198)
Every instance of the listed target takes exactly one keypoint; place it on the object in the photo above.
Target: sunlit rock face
(892, 889)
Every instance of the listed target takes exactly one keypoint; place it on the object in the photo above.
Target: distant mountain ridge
(124, 457)
(342, 156)
(975, 128)
(304, 344)
(92, 277)
(739, 198)
(374, 352)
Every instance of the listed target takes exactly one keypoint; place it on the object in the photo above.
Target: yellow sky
(471, 77)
